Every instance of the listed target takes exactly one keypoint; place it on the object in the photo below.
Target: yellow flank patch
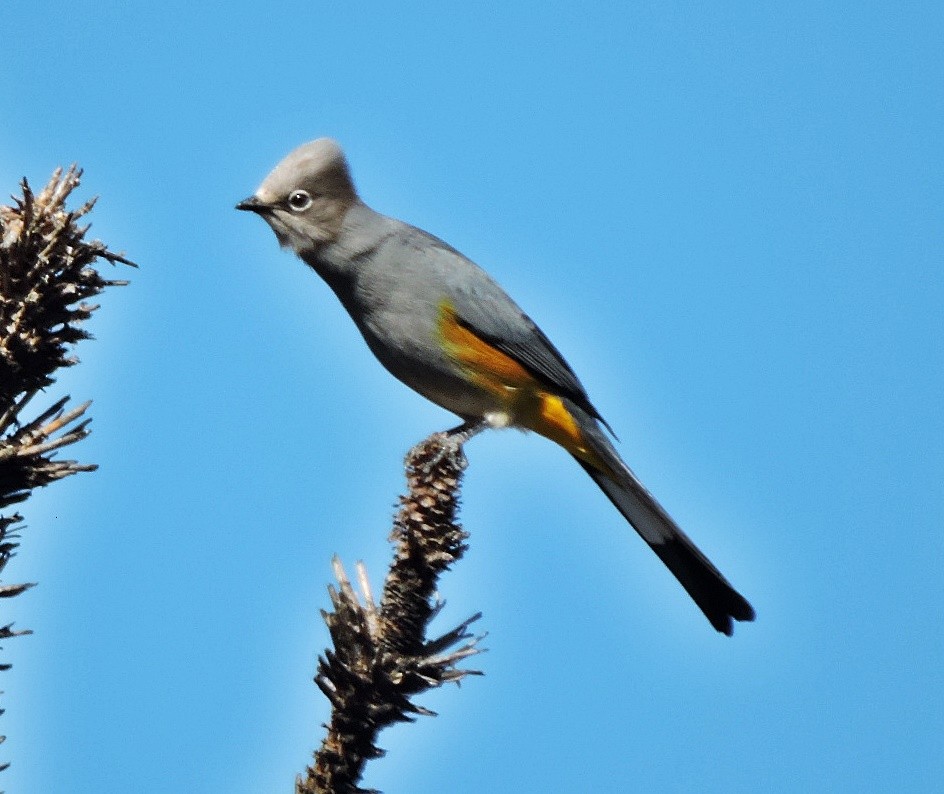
(486, 366)
(527, 401)
(558, 424)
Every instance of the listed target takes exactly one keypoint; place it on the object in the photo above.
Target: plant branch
(381, 657)
(46, 277)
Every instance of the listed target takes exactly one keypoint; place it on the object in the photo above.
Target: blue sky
(729, 219)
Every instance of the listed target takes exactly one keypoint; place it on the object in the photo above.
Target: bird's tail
(713, 594)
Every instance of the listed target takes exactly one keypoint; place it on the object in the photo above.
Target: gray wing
(486, 310)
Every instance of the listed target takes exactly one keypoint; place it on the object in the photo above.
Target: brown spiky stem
(381, 657)
(46, 278)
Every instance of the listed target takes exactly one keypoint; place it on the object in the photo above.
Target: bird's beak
(253, 204)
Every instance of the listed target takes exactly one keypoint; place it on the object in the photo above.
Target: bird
(441, 325)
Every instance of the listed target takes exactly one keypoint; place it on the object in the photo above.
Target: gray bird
(441, 325)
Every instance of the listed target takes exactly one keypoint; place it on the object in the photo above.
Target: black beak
(253, 204)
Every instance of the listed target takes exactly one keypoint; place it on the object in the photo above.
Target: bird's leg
(448, 442)
(467, 430)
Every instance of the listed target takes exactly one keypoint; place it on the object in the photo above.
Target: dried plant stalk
(381, 658)
(46, 277)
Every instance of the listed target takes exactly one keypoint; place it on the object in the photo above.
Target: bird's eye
(299, 200)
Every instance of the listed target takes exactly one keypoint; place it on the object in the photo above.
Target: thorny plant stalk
(381, 657)
(46, 279)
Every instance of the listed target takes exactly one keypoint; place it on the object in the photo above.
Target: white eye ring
(299, 200)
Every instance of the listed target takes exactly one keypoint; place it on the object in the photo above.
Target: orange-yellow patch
(525, 399)
(557, 423)
(488, 367)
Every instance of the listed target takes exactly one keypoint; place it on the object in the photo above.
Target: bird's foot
(436, 449)
(467, 430)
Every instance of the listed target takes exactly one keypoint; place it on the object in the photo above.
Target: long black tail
(713, 594)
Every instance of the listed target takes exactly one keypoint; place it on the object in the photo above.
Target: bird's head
(306, 196)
